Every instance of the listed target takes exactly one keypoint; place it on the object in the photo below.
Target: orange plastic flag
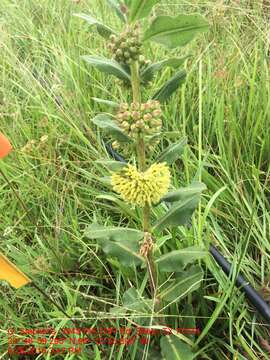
(8, 271)
(5, 146)
(11, 273)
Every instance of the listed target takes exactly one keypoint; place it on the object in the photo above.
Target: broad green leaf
(177, 260)
(178, 214)
(170, 86)
(188, 281)
(104, 122)
(117, 7)
(125, 208)
(175, 31)
(172, 152)
(107, 66)
(139, 307)
(106, 102)
(125, 250)
(122, 243)
(113, 233)
(185, 192)
(140, 8)
(102, 29)
(132, 300)
(105, 180)
(148, 73)
(173, 348)
(112, 165)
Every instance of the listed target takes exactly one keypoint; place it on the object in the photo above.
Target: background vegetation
(45, 109)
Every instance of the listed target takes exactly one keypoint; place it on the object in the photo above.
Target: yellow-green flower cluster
(140, 118)
(141, 188)
(126, 47)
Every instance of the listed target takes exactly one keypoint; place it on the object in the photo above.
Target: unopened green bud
(126, 115)
(157, 112)
(143, 107)
(139, 124)
(110, 46)
(157, 122)
(120, 117)
(112, 38)
(135, 106)
(147, 117)
(123, 107)
(147, 105)
(123, 8)
(125, 125)
(136, 115)
(141, 58)
(134, 42)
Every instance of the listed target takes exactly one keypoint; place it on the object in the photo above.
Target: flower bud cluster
(126, 48)
(140, 118)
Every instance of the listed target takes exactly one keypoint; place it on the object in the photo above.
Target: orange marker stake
(11, 273)
(5, 146)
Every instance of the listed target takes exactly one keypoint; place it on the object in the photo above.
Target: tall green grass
(45, 109)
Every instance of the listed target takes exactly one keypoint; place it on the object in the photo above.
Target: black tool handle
(253, 296)
(114, 154)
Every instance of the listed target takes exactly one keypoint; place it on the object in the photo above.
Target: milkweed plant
(143, 182)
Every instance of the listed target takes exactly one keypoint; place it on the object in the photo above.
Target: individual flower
(5, 146)
(138, 119)
(141, 188)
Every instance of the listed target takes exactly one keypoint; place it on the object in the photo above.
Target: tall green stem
(141, 153)
(135, 81)
(140, 147)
